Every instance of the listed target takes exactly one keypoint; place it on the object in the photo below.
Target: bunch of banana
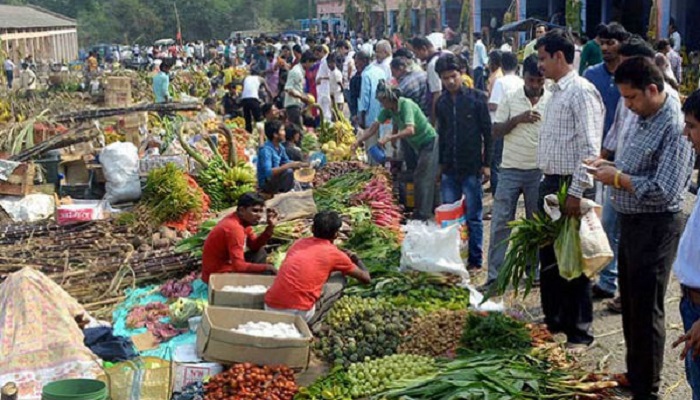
(344, 132)
(5, 111)
(225, 185)
(211, 125)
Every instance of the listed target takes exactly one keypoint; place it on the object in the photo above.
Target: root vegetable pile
(435, 335)
(378, 195)
(336, 169)
(373, 376)
(246, 381)
(356, 328)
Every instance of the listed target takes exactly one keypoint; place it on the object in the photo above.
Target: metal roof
(19, 17)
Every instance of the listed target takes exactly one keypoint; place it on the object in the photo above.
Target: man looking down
(307, 267)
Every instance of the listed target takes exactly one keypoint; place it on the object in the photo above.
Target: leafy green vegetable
(494, 332)
(169, 195)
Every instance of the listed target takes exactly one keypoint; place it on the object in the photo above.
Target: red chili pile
(247, 381)
(378, 195)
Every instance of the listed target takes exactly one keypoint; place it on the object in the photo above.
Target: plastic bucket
(377, 154)
(75, 389)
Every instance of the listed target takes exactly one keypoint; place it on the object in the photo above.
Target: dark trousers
(496, 163)
(647, 248)
(281, 183)
(479, 79)
(10, 75)
(294, 116)
(567, 305)
(251, 112)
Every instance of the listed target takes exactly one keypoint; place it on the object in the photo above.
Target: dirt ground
(608, 352)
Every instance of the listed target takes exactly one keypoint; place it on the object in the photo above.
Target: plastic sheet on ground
(40, 342)
(149, 294)
(29, 208)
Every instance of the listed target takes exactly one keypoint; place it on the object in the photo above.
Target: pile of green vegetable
(337, 193)
(373, 376)
(499, 376)
(169, 195)
(356, 328)
(422, 290)
(225, 184)
(494, 331)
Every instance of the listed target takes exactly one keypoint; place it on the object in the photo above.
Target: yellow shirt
(468, 81)
(92, 64)
(228, 76)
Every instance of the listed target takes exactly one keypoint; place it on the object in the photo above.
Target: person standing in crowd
(297, 52)
(540, 30)
(409, 123)
(464, 128)
(336, 81)
(412, 82)
(383, 54)
(344, 48)
(571, 132)
(495, 71)
(368, 106)
(507, 45)
(509, 82)
(224, 249)
(480, 62)
(675, 36)
(518, 122)
(665, 47)
(354, 90)
(27, 81)
(425, 51)
(284, 63)
(250, 98)
(9, 68)
(323, 83)
(591, 54)
(294, 89)
(649, 177)
(272, 74)
(602, 76)
(686, 266)
(275, 169)
(161, 83)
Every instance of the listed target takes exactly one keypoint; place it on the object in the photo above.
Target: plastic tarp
(150, 294)
(40, 342)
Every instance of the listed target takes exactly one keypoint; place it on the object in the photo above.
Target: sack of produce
(120, 162)
(429, 248)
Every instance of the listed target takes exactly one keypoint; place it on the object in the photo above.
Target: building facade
(489, 14)
(47, 36)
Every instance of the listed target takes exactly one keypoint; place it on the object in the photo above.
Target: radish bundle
(378, 195)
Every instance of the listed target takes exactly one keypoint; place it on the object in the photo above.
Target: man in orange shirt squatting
(224, 249)
(307, 267)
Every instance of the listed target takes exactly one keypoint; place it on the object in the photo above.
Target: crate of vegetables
(239, 290)
(235, 335)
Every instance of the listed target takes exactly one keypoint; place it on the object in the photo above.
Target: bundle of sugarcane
(94, 261)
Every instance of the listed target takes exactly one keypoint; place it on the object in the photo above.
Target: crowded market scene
(349, 199)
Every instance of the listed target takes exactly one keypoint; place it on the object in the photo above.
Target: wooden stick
(110, 112)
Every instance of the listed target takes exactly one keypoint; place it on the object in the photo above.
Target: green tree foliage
(142, 21)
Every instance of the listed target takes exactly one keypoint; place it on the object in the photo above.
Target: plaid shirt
(572, 131)
(659, 160)
(414, 84)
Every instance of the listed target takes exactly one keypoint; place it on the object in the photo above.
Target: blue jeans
(513, 182)
(496, 164)
(479, 78)
(453, 187)
(608, 276)
(690, 313)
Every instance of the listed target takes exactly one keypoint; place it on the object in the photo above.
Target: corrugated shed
(23, 17)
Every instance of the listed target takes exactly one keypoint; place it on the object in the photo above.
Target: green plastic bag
(567, 248)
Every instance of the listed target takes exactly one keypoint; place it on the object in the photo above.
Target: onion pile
(246, 381)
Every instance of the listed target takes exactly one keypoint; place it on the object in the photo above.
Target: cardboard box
(217, 342)
(218, 297)
(188, 368)
(81, 211)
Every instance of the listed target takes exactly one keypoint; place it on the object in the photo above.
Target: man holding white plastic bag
(571, 132)
(650, 174)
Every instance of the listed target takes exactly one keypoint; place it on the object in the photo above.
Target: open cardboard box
(218, 297)
(216, 342)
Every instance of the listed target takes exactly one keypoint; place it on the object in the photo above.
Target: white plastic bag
(429, 248)
(120, 163)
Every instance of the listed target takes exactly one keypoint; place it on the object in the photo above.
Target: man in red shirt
(224, 249)
(307, 267)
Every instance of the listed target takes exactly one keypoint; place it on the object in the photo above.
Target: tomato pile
(247, 381)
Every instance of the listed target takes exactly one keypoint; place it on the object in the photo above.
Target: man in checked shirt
(571, 132)
(650, 174)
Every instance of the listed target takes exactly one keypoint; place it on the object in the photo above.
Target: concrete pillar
(477, 16)
(583, 15)
(606, 11)
(522, 15)
(443, 12)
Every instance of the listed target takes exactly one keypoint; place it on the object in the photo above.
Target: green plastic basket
(75, 389)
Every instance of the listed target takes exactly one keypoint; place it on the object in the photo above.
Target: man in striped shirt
(571, 133)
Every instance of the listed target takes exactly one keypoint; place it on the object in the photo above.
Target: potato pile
(435, 335)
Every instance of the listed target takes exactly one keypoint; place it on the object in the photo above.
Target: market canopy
(526, 25)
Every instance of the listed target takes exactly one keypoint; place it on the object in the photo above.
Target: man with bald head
(383, 53)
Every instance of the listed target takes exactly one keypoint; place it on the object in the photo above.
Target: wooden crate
(118, 91)
(21, 182)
